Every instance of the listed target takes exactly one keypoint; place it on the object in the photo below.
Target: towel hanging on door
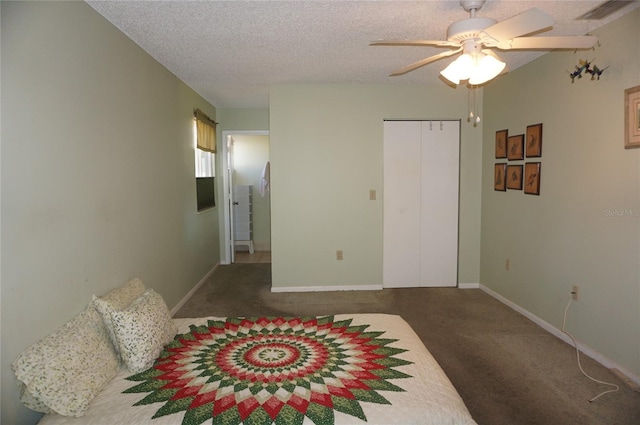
(265, 179)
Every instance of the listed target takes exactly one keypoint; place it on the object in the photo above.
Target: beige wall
(577, 232)
(243, 119)
(326, 154)
(97, 175)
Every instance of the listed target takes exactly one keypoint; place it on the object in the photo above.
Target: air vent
(605, 9)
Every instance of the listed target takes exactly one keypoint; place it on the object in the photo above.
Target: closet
(421, 198)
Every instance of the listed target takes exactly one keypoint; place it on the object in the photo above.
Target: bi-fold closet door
(421, 198)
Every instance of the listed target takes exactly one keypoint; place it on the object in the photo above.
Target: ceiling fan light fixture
(486, 69)
(478, 69)
(459, 70)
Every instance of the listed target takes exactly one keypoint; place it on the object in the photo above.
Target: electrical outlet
(339, 255)
(372, 195)
(575, 293)
(507, 264)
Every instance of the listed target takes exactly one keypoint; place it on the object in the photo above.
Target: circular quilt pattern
(271, 370)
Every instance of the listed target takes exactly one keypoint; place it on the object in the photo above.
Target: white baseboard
(588, 351)
(182, 302)
(350, 288)
(326, 288)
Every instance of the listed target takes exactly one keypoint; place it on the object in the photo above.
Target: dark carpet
(506, 368)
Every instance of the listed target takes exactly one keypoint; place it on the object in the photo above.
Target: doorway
(246, 197)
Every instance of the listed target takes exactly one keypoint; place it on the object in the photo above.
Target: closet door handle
(235, 203)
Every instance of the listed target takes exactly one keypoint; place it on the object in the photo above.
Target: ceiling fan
(474, 37)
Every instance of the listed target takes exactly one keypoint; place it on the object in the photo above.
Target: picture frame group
(518, 176)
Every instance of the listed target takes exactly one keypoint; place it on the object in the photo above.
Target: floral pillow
(142, 330)
(64, 371)
(118, 299)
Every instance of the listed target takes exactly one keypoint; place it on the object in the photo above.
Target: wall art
(499, 177)
(501, 143)
(515, 147)
(632, 117)
(514, 177)
(532, 178)
(534, 141)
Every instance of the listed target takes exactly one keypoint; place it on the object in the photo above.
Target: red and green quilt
(352, 369)
(268, 370)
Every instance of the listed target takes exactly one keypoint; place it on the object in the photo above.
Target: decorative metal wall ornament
(596, 72)
(586, 67)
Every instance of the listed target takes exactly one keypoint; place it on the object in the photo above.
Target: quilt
(342, 369)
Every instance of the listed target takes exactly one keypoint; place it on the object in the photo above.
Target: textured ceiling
(230, 52)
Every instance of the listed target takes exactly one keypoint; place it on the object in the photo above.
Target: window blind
(206, 132)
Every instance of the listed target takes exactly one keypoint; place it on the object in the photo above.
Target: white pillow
(142, 330)
(64, 371)
(118, 299)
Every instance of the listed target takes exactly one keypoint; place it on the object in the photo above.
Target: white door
(230, 245)
(402, 203)
(421, 168)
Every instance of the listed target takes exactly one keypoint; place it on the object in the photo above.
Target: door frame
(227, 249)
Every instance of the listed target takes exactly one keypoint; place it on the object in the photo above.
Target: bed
(342, 369)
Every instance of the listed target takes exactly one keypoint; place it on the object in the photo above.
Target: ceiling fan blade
(529, 21)
(424, 62)
(443, 43)
(547, 43)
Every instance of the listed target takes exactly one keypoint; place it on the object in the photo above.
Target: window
(205, 176)
(206, 193)
(204, 164)
(205, 147)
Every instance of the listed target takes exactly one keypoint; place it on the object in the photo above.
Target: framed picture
(514, 177)
(499, 177)
(501, 143)
(532, 178)
(534, 141)
(632, 117)
(515, 147)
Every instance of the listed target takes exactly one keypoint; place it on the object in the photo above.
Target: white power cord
(575, 344)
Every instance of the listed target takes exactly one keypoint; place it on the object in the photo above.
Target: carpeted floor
(507, 369)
